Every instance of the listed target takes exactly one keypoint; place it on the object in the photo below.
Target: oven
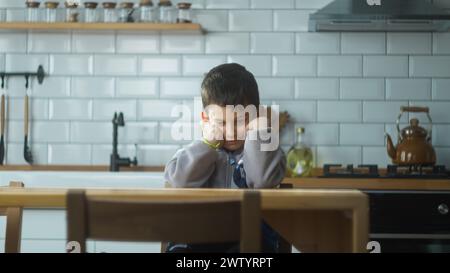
(404, 220)
(410, 221)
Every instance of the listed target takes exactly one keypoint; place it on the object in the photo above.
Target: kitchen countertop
(306, 183)
(79, 168)
(370, 183)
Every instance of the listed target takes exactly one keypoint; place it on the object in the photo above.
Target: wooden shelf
(103, 26)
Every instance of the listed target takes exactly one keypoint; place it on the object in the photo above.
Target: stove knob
(443, 209)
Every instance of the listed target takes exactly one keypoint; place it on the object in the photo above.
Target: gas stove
(392, 171)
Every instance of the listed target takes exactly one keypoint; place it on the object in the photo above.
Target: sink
(55, 179)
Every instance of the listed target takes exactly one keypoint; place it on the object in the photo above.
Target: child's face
(233, 125)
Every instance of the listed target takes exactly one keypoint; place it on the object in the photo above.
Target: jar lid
(126, 5)
(184, 5)
(51, 5)
(146, 3)
(90, 5)
(109, 5)
(71, 4)
(165, 3)
(32, 4)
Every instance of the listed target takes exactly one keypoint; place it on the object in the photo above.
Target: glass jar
(184, 13)
(51, 11)
(166, 11)
(33, 11)
(72, 12)
(109, 12)
(90, 12)
(147, 11)
(126, 12)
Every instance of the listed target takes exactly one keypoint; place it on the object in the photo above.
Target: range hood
(389, 15)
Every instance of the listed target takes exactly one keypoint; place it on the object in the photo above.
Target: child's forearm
(264, 169)
(192, 166)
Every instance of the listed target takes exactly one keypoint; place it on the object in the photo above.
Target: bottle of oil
(299, 158)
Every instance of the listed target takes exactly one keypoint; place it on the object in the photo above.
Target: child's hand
(264, 121)
(261, 122)
(212, 133)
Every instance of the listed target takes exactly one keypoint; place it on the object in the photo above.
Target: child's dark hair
(230, 84)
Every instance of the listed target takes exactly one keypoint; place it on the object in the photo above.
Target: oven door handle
(409, 236)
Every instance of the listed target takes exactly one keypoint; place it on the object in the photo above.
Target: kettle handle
(415, 109)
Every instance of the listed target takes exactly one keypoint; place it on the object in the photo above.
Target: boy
(223, 159)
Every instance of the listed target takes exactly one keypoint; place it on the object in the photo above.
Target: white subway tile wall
(15, 42)
(137, 87)
(69, 65)
(318, 43)
(272, 43)
(340, 66)
(90, 42)
(385, 66)
(44, 42)
(441, 43)
(409, 43)
(363, 43)
(362, 89)
(345, 88)
(136, 43)
(317, 88)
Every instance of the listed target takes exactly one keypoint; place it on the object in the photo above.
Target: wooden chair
(211, 221)
(284, 245)
(13, 224)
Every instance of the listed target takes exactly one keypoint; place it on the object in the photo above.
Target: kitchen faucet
(116, 161)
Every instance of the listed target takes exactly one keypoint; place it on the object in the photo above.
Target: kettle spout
(391, 149)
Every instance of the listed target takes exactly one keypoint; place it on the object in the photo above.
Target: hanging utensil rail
(40, 75)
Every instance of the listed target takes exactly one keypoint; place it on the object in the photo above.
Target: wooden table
(312, 220)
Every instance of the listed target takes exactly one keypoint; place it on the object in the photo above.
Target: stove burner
(362, 171)
(392, 171)
(414, 171)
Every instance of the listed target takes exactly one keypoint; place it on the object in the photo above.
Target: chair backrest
(13, 215)
(204, 221)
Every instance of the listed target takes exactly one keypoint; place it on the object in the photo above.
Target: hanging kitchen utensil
(26, 148)
(414, 142)
(2, 139)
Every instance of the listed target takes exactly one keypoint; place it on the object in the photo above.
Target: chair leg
(13, 230)
(76, 219)
(13, 224)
